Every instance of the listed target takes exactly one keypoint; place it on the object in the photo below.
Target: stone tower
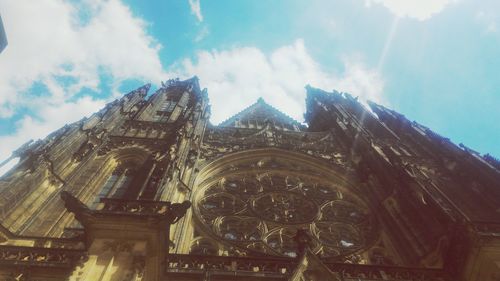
(148, 189)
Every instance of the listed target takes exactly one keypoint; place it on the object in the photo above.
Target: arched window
(117, 184)
(133, 173)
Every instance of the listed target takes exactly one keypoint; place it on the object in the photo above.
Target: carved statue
(178, 210)
(303, 241)
(72, 204)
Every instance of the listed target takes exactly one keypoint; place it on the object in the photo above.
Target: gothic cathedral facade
(148, 189)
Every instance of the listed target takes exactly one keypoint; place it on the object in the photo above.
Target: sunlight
(388, 43)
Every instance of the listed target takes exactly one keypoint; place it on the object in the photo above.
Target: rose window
(260, 212)
(284, 207)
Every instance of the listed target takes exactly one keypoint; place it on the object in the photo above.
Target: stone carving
(25, 256)
(178, 210)
(284, 267)
(368, 169)
(114, 142)
(220, 141)
(72, 204)
(94, 139)
(263, 211)
(303, 241)
(117, 246)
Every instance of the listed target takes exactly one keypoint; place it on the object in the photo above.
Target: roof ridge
(284, 114)
(240, 112)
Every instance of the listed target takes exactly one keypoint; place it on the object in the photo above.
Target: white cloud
(238, 77)
(55, 42)
(55, 116)
(417, 9)
(196, 9)
(202, 33)
(488, 20)
(66, 46)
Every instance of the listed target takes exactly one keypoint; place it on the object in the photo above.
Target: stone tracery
(259, 210)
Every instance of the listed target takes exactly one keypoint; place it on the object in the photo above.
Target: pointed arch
(129, 175)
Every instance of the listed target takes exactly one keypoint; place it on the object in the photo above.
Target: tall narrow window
(163, 113)
(165, 105)
(122, 184)
(184, 99)
(116, 185)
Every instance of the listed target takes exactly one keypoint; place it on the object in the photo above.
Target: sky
(435, 61)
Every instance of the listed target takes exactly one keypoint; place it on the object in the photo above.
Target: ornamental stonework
(258, 210)
(148, 189)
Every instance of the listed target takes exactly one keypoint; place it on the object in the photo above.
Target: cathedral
(148, 189)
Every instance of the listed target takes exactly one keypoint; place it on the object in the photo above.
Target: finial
(261, 100)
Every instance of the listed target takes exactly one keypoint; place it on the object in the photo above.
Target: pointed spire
(142, 91)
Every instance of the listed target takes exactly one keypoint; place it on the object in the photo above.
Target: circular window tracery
(260, 209)
(284, 207)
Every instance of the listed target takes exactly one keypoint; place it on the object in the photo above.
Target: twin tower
(148, 189)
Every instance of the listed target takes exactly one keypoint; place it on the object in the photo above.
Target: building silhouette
(148, 189)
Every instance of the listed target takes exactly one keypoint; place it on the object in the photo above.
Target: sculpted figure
(178, 210)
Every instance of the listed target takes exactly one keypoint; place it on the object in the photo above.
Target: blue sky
(435, 61)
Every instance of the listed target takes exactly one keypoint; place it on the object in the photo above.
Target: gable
(259, 114)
